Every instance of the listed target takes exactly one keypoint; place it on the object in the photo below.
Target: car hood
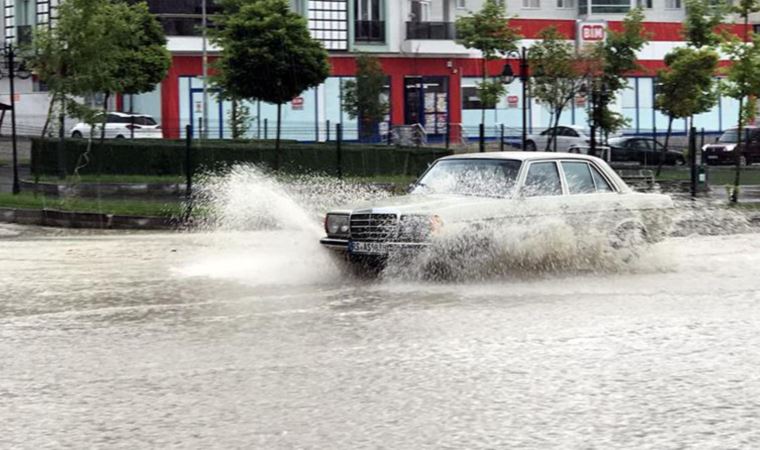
(420, 204)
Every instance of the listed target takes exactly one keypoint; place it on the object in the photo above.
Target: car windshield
(475, 177)
(730, 136)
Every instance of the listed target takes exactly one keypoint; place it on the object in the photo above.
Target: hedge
(167, 157)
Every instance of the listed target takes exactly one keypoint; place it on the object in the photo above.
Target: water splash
(263, 229)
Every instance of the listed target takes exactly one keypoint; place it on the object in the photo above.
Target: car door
(642, 151)
(541, 195)
(592, 204)
(753, 149)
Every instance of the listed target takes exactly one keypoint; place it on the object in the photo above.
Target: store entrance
(426, 102)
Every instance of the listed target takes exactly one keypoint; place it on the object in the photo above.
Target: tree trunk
(552, 135)
(105, 119)
(665, 147)
(61, 139)
(738, 156)
(277, 138)
(49, 116)
(557, 115)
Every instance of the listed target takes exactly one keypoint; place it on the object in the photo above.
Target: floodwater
(257, 339)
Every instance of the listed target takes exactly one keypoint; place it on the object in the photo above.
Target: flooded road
(257, 340)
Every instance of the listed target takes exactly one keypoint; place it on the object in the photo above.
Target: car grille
(373, 227)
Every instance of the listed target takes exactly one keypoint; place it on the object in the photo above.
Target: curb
(67, 219)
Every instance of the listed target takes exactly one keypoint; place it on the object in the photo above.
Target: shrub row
(167, 157)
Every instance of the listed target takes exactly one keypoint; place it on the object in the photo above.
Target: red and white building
(432, 79)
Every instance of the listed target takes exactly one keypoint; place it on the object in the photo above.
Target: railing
(431, 30)
(369, 31)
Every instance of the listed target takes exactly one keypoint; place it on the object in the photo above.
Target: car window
(569, 132)
(145, 120)
(578, 177)
(601, 183)
(542, 179)
(640, 144)
(546, 132)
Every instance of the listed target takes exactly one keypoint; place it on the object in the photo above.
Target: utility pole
(204, 27)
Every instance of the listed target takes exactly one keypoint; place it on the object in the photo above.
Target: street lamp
(507, 77)
(12, 70)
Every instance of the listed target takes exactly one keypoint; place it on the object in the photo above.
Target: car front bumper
(719, 157)
(346, 246)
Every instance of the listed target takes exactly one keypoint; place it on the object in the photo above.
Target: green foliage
(617, 57)
(142, 60)
(558, 72)
(702, 18)
(267, 52)
(742, 77)
(99, 46)
(686, 87)
(239, 119)
(488, 30)
(165, 157)
(363, 98)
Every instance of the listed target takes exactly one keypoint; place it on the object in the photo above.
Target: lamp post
(508, 76)
(14, 70)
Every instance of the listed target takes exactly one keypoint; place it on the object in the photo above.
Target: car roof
(522, 156)
(123, 114)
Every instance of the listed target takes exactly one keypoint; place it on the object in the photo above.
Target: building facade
(431, 79)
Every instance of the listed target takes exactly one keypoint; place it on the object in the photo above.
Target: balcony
(369, 31)
(431, 30)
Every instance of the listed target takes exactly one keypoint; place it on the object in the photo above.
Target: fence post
(327, 137)
(188, 172)
(390, 133)
(266, 129)
(482, 138)
(501, 139)
(338, 153)
(693, 160)
(448, 135)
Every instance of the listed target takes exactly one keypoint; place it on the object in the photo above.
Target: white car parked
(567, 137)
(466, 194)
(121, 126)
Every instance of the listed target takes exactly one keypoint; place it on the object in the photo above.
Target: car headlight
(337, 225)
(418, 228)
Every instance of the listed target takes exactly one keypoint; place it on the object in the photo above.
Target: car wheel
(119, 137)
(76, 135)
(530, 146)
(679, 161)
(628, 239)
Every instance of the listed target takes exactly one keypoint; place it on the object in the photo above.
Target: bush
(167, 157)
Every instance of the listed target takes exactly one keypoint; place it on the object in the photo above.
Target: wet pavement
(258, 340)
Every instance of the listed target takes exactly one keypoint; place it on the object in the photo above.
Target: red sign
(297, 103)
(580, 101)
(592, 32)
(512, 101)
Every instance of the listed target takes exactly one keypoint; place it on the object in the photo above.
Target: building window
(531, 4)
(672, 4)
(461, 4)
(569, 4)
(611, 6)
(644, 4)
(369, 24)
(328, 23)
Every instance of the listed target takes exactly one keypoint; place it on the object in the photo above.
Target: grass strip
(115, 207)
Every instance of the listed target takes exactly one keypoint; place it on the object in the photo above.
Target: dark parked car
(643, 150)
(723, 151)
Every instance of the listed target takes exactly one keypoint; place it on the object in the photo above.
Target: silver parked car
(567, 137)
(463, 193)
(121, 126)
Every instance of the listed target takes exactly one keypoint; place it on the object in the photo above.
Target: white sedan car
(121, 126)
(466, 195)
(567, 137)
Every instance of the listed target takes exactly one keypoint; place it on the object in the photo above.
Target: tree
(742, 79)
(558, 74)
(617, 57)
(488, 30)
(363, 98)
(685, 88)
(267, 54)
(239, 119)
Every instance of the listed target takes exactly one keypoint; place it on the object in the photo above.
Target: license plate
(712, 156)
(368, 248)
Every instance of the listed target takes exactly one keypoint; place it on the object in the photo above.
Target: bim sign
(592, 32)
